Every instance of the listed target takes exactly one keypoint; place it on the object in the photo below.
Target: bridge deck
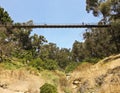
(56, 26)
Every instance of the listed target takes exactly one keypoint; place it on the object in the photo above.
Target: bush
(37, 63)
(91, 60)
(71, 67)
(22, 54)
(50, 64)
(40, 64)
(48, 88)
(12, 65)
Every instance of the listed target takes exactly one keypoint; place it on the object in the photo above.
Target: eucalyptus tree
(37, 43)
(78, 51)
(5, 33)
(63, 57)
(4, 17)
(110, 11)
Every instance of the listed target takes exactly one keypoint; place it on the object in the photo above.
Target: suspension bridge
(58, 26)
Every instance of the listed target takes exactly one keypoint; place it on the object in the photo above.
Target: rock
(100, 80)
(115, 70)
(84, 87)
(77, 81)
(3, 85)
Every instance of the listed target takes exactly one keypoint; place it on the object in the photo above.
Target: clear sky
(52, 12)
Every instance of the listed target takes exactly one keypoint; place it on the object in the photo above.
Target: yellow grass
(100, 72)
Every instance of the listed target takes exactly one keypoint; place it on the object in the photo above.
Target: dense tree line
(19, 43)
(99, 42)
(37, 52)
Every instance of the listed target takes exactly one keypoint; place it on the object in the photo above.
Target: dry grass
(20, 80)
(55, 78)
(99, 78)
(103, 77)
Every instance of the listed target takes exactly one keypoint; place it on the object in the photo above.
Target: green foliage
(67, 90)
(71, 67)
(91, 60)
(26, 55)
(92, 5)
(11, 64)
(50, 64)
(51, 77)
(40, 64)
(2, 35)
(49, 51)
(48, 88)
(105, 8)
(110, 9)
(63, 57)
(97, 43)
(4, 17)
(77, 51)
(37, 63)
(115, 32)
(24, 39)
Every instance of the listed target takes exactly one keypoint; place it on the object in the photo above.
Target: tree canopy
(41, 54)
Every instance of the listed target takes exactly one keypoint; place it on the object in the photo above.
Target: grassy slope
(102, 77)
(16, 76)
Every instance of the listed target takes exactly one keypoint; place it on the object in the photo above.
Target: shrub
(48, 88)
(40, 64)
(50, 64)
(91, 60)
(12, 65)
(37, 63)
(71, 67)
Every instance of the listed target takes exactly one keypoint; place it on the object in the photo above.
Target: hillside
(19, 81)
(29, 80)
(103, 77)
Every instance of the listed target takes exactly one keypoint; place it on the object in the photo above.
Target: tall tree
(5, 33)
(78, 51)
(49, 51)
(4, 17)
(110, 10)
(63, 57)
(37, 42)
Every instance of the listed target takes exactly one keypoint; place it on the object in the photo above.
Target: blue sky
(52, 12)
